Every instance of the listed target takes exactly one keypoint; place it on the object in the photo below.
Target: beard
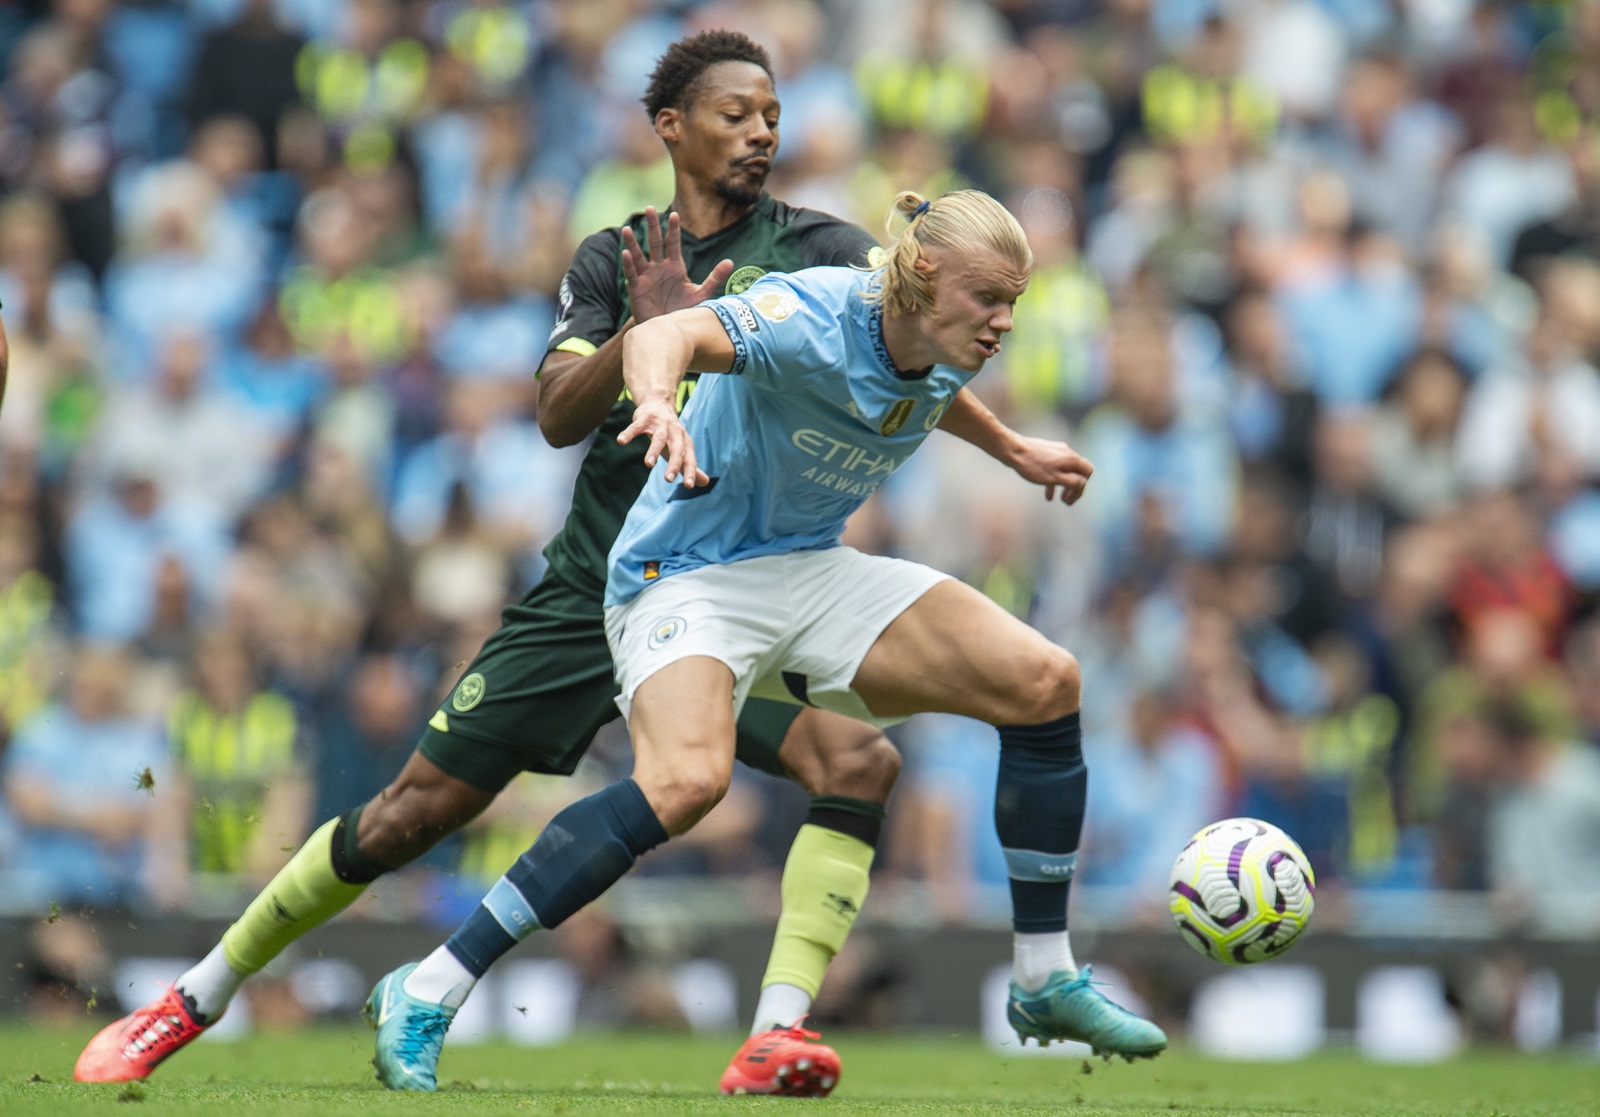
(739, 190)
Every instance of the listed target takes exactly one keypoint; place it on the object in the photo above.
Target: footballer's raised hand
(1055, 465)
(658, 283)
(655, 416)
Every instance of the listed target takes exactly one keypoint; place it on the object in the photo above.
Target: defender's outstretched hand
(1055, 465)
(659, 283)
(658, 419)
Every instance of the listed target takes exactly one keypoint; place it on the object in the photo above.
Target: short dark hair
(677, 76)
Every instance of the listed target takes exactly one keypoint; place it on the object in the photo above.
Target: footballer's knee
(1050, 687)
(867, 771)
(830, 754)
(684, 793)
(411, 815)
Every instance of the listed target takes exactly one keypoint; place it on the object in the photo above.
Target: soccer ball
(1241, 891)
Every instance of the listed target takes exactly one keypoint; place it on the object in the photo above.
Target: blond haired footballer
(728, 582)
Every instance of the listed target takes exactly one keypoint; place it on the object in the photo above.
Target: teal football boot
(1072, 1008)
(410, 1033)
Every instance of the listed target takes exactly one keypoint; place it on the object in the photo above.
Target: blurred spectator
(1506, 567)
(185, 263)
(1469, 754)
(1504, 668)
(1050, 357)
(1414, 437)
(1354, 310)
(1270, 410)
(118, 538)
(203, 451)
(1545, 818)
(1545, 395)
(1575, 230)
(1391, 147)
(1143, 444)
(54, 326)
(27, 600)
(365, 734)
(81, 780)
(638, 175)
(1345, 521)
(1149, 794)
(494, 332)
(1512, 181)
(247, 69)
(239, 768)
(518, 485)
(265, 376)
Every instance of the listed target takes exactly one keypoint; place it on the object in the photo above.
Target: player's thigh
(681, 718)
(533, 698)
(955, 651)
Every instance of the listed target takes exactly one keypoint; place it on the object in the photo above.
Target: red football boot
(135, 1045)
(783, 1061)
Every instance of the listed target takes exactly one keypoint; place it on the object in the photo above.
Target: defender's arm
(576, 393)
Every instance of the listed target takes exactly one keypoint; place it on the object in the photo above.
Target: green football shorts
(542, 687)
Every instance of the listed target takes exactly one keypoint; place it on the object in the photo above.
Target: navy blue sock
(582, 852)
(1038, 813)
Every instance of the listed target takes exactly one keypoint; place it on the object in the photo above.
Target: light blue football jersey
(810, 420)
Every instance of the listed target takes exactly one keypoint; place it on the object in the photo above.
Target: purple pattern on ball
(1235, 859)
(1272, 865)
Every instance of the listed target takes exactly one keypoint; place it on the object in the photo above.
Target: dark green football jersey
(773, 237)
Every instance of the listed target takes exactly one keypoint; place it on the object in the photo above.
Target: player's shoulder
(603, 246)
(826, 289)
(824, 239)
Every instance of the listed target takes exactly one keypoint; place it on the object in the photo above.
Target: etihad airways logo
(855, 470)
(844, 456)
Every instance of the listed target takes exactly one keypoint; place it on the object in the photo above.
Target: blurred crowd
(1317, 288)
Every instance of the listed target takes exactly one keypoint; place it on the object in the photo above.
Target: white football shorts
(792, 627)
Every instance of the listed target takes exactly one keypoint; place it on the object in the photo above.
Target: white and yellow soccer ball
(1241, 891)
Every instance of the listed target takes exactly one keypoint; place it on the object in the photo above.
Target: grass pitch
(326, 1072)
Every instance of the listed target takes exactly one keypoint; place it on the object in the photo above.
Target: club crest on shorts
(666, 631)
(469, 692)
(739, 282)
(898, 414)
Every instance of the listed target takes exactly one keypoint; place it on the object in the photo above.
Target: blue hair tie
(922, 208)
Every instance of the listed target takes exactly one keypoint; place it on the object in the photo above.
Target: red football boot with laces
(783, 1061)
(135, 1045)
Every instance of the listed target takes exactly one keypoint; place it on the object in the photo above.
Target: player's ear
(924, 265)
(669, 125)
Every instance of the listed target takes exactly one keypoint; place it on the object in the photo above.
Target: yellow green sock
(824, 885)
(305, 894)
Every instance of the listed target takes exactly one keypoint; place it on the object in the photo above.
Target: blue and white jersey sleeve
(782, 330)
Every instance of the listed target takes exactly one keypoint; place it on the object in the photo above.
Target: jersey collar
(762, 208)
(874, 307)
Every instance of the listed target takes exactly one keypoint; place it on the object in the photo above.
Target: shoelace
(795, 1029)
(424, 1029)
(169, 1009)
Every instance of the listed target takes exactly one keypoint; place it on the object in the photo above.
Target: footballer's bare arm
(577, 392)
(1054, 465)
(655, 357)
